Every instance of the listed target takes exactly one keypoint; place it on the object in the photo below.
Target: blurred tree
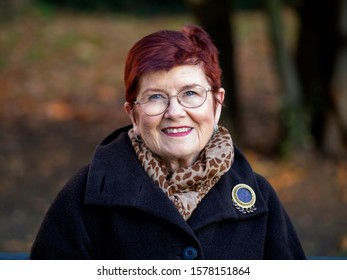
(318, 47)
(133, 6)
(215, 18)
(335, 133)
(294, 128)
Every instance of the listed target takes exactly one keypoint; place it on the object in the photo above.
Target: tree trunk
(316, 56)
(293, 119)
(335, 137)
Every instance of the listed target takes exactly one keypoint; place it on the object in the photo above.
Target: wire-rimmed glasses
(155, 102)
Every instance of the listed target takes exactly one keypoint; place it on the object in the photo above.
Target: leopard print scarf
(186, 187)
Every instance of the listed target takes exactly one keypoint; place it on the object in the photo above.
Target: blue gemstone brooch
(243, 198)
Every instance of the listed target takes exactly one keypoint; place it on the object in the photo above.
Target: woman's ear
(219, 97)
(130, 112)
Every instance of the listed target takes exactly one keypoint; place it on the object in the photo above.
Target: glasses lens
(192, 97)
(154, 103)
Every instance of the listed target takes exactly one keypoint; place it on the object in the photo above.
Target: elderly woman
(172, 185)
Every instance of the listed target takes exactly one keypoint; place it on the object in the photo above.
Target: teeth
(177, 130)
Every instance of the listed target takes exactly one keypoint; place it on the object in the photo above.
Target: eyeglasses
(154, 103)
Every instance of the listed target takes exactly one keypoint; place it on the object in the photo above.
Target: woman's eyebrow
(153, 90)
(187, 86)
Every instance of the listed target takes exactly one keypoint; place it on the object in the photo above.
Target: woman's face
(179, 134)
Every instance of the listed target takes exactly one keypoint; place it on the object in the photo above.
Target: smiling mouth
(179, 131)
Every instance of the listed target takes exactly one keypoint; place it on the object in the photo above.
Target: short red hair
(166, 49)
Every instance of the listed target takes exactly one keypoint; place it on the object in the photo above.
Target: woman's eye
(155, 97)
(189, 93)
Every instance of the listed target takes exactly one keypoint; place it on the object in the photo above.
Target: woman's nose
(174, 109)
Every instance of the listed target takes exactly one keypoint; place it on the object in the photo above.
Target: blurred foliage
(133, 6)
(145, 6)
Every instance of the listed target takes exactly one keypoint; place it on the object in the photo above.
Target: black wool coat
(111, 209)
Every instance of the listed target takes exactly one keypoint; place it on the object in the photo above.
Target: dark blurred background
(284, 70)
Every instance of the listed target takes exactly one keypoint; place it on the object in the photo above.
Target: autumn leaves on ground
(61, 92)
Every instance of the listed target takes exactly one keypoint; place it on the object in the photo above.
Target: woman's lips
(177, 131)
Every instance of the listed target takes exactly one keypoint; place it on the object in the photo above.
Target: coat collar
(117, 179)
